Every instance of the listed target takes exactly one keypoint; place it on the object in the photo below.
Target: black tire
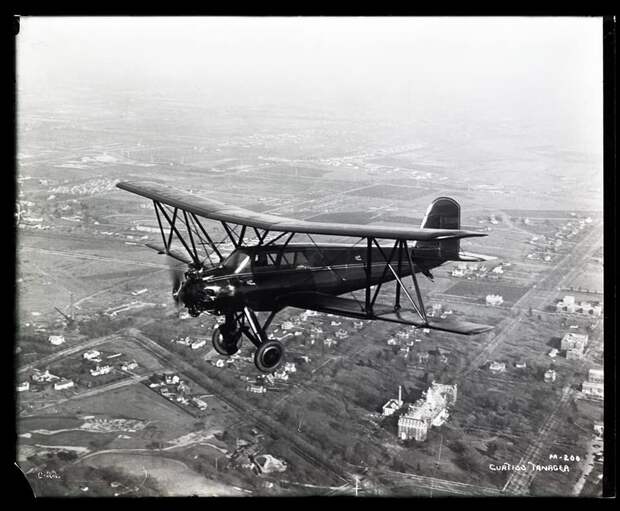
(226, 343)
(269, 356)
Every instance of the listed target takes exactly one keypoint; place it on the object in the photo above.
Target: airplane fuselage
(257, 277)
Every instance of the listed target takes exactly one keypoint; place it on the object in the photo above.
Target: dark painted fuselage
(260, 277)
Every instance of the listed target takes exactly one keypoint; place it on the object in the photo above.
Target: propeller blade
(177, 276)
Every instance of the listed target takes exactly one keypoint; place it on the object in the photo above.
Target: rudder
(443, 213)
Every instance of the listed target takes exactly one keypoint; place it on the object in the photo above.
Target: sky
(524, 68)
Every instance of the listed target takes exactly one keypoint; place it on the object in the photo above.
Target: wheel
(269, 356)
(226, 343)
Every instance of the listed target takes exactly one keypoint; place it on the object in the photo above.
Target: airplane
(267, 272)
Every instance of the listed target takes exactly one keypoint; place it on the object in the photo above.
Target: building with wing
(430, 410)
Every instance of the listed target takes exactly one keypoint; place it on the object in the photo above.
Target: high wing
(215, 210)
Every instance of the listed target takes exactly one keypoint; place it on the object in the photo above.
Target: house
(498, 269)
(497, 367)
(573, 341)
(336, 323)
(341, 334)
(599, 428)
(591, 389)
(63, 384)
(393, 405)
(171, 379)
(550, 375)
(56, 340)
(183, 388)
(567, 304)
(44, 377)
(91, 355)
(290, 367)
(23, 386)
(129, 366)
(257, 389)
(521, 364)
(139, 292)
(219, 362)
(392, 342)
(458, 272)
(423, 357)
(281, 375)
(98, 371)
(199, 403)
(494, 300)
(266, 463)
(553, 353)
(199, 344)
(287, 325)
(595, 376)
(358, 324)
(574, 354)
(329, 342)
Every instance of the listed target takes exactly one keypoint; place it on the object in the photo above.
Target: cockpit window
(237, 262)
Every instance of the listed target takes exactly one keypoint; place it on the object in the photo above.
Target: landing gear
(269, 356)
(227, 337)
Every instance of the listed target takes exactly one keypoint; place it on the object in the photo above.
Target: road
(404, 480)
(519, 482)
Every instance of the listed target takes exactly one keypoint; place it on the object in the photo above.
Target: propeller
(177, 277)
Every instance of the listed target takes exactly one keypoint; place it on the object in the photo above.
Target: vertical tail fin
(443, 213)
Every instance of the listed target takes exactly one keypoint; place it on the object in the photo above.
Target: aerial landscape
(120, 392)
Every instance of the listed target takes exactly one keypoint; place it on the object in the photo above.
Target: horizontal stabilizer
(172, 253)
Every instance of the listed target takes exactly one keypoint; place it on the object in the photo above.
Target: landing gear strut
(269, 353)
(227, 337)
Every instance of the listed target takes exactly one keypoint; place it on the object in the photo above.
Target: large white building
(430, 410)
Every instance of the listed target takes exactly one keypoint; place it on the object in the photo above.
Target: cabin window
(301, 260)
